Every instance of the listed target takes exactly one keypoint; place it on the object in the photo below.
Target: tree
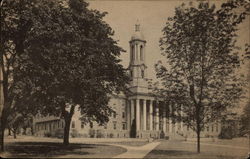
(245, 123)
(14, 27)
(71, 62)
(200, 79)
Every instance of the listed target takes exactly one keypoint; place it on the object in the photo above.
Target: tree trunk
(198, 140)
(2, 138)
(14, 134)
(9, 131)
(24, 131)
(2, 128)
(32, 131)
(66, 130)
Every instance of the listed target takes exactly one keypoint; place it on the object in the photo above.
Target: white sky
(152, 15)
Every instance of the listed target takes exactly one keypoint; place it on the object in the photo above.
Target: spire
(137, 26)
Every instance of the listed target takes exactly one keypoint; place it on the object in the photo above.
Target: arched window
(132, 53)
(141, 53)
(142, 73)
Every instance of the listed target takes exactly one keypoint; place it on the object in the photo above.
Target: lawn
(178, 149)
(53, 149)
(130, 143)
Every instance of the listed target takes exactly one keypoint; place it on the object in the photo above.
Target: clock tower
(137, 65)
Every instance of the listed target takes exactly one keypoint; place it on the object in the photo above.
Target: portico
(150, 116)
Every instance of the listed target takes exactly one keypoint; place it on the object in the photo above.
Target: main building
(140, 110)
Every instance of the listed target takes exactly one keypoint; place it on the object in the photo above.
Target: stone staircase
(176, 137)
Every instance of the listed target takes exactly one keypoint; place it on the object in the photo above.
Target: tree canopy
(199, 79)
(67, 59)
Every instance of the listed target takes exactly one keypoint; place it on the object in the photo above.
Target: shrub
(99, 134)
(132, 132)
(91, 133)
(226, 133)
(59, 133)
(47, 134)
(111, 135)
(75, 133)
(162, 135)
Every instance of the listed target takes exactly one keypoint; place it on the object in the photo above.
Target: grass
(177, 149)
(51, 149)
(131, 143)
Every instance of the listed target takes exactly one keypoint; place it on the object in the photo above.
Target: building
(140, 109)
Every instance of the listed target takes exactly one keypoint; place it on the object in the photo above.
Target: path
(136, 152)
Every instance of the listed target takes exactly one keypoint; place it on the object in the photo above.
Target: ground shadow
(47, 149)
(169, 153)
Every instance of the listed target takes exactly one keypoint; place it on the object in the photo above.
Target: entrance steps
(176, 137)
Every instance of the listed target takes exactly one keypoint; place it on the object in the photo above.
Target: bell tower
(137, 65)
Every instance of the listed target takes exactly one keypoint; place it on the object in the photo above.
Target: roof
(137, 35)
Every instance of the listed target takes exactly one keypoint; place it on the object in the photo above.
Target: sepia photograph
(125, 79)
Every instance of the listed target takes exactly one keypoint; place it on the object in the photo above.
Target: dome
(137, 35)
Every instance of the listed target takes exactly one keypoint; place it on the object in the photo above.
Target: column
(151, 115)
(137, 114)
(164, 118)
(170, 119)
(144, 114)
(157, 116)
(181, 118)
(128, 115)
(132, 110)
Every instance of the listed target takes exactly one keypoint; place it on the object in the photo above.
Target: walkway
(136, 152)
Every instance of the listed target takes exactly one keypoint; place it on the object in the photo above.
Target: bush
(162, 135)
(47, 134)
(99, 134)
(91, 133)
(226, 133)
(111, 135)
(75, 133)
(59, 133)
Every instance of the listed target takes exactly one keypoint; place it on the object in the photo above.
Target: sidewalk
(136, 152)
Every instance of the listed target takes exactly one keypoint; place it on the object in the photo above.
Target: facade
(140, 109)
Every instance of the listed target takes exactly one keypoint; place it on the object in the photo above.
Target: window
(114, 125)
(123, 114)
(142, 73)
(141, 53)
(114, 114)
(82, 125)
(91, 125)
(58, 124)
(132, 53)
(131, 73)
(62, 124)
(73, 124)
(212, 127)
(217, 129)
(207, 128)
(123, 126)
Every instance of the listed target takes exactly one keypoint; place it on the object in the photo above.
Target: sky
(152, 16)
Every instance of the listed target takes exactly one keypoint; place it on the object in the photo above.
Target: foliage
(14, 27)
(58, 133)
(92, 133)
(200, 79)
(74, 133)
(245, 122)
(226, 133)
(133, 129)
(100, 133)
(47, 134)
(71, 61)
